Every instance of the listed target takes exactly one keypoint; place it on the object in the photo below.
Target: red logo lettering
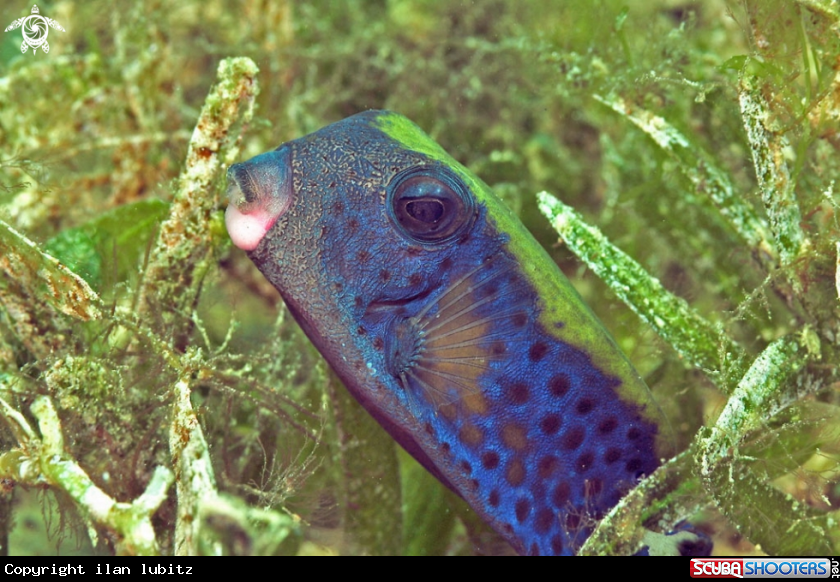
(717, 568)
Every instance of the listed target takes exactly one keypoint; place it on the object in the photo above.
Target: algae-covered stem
(709, 181)
(837, 271)
(667, 496)
(174, 274)
(44, 461)
(751, 403)
(35, 289)
(180, 256)
(195, 481)
(695, 339)
(774, 180)
(825, 8)
(173, 278)
(198, 497)
(780, 523)
(25, 263)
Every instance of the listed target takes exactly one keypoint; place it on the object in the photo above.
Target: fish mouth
(260, 191)
(389, 305)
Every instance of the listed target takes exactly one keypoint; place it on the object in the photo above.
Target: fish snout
(259, 191)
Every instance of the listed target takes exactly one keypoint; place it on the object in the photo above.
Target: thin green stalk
(708, 180)
(778, 522)
(697, 340)
(774, 179)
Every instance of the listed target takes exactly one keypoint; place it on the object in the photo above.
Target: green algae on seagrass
(694, 338)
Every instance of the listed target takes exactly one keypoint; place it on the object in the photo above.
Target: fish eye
(429, 204)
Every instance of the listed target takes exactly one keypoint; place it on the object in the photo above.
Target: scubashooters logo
(35, 29)
(761, 568)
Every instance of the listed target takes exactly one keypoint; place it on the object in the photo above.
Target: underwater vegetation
(678, 160)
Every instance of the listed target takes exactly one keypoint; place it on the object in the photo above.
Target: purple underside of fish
(445, 345)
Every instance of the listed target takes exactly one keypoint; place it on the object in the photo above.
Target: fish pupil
(427, 210)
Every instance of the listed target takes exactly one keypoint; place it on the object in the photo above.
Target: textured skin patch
(517, 393)
(607, 425)
(537, 351)
(487, 380)
(561, 495)
(448, 411)
(514, 437)
(471, 435)
(573, 438)
(559, 385)
(475, 403)
(584, 462)
(550, 424)
(515, 473)
(522, 509)
(634, 465)
(490, 460)
(544, 520)
(547, 465)
(498, 348)
(585, 406)
(612, 455)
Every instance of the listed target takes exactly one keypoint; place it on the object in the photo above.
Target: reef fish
(450, 324)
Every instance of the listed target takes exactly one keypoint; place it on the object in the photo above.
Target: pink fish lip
(247, 230)
(260, 192)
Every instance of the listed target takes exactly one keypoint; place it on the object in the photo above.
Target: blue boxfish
(450, 324)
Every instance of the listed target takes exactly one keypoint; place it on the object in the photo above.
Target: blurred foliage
(94, 134)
